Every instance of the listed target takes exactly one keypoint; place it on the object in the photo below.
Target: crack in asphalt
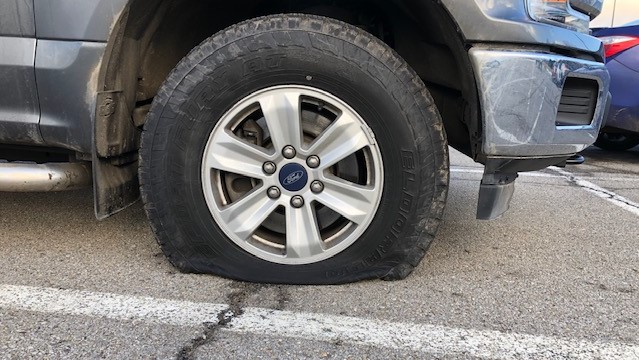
(618, 289)
(575, 180)
(283, 297)
(610, 195)
(187, 352)
(236, 300)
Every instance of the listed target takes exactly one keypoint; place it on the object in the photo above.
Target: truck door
(19, 106)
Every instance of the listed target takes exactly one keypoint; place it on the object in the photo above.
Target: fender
(83, 38)
(71, 39)
(77, 19)
(507, 21)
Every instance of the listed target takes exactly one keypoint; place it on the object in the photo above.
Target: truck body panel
(19, 105)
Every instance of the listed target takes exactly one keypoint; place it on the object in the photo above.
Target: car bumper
(520, 94)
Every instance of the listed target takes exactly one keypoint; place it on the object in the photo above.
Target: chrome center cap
(293, 177)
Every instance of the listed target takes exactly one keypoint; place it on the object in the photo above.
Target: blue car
(621, 131)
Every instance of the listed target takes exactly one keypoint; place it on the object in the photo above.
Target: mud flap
(495, 192)
(497, 187)
(116, 187)
(115, 164)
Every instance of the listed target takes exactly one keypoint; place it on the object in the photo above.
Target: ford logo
(293, 177)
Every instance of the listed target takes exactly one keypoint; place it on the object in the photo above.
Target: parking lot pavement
(557, 276)
(611, 169)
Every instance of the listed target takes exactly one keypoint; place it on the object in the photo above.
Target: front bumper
(520, 93)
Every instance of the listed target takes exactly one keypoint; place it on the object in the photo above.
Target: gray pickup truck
(293, 141)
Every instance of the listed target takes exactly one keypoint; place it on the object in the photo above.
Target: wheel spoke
(352, 201)
(232, 154)
(302, 233)
(283, 117)
(245, 215)
(342, 138)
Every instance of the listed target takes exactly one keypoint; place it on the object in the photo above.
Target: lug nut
(313, 161)
(273, 192)
(317, 187)
(269, 167)
(297, 201)
(289, 152)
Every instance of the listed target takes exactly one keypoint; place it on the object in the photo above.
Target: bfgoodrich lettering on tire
(294, 149)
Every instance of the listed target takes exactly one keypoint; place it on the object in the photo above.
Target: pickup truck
(301, 142)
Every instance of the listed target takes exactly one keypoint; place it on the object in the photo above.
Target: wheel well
(152, 36)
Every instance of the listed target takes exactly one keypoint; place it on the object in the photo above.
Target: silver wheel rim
(314, 139)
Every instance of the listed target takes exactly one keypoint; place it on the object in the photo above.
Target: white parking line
(111, 306)
(317, 327)
(597, 190)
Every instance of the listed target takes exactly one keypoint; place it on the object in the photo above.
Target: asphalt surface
(561, 264)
